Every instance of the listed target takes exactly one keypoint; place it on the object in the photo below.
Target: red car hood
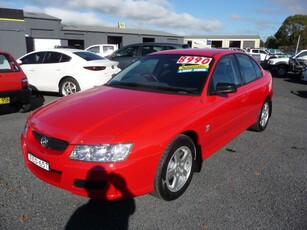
(107, 114)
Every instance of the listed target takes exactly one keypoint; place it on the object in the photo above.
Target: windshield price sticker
(193, 68)
(194, 60)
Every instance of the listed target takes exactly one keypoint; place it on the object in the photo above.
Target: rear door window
(250, 69)
(53, 57)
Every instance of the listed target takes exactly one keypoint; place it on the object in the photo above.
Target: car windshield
(89, 56)
(167, 73)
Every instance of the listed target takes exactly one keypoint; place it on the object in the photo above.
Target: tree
(289, 32)
(271, 42)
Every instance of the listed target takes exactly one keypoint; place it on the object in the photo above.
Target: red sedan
(150, 127)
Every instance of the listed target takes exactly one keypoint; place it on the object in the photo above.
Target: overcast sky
(195, 17)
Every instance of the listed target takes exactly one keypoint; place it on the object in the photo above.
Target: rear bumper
(22, 96)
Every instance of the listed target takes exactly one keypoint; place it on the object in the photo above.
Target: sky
(181, 17)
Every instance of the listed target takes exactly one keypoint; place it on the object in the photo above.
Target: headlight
(101, 153)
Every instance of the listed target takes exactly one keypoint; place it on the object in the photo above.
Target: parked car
(66, 71)
(14, 87)
(102, 49)
(295, 63)
(259, 53)
(150, 127)
(130, 53)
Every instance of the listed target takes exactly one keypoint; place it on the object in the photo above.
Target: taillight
(24, 83)
(95, 68)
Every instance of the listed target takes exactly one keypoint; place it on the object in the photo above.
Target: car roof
(4, 52)
(198, 52)
(155, 43)
(60, 50)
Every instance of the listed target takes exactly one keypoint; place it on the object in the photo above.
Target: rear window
(88, 56)
(7, 64)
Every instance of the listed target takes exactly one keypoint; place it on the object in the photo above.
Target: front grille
(53, 143)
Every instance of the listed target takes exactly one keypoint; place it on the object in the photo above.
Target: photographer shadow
(102, 214)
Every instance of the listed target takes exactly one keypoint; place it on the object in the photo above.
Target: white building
(221, 41)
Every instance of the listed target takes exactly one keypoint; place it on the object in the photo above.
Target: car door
(46, 74)
(254, 86)
(30, 64)
(227, 110)
(52, 70)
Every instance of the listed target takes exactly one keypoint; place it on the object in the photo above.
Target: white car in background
(102, 49)
(66, 71)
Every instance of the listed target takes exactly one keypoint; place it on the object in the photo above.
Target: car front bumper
(106, 181)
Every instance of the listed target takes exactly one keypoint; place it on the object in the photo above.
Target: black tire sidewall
(160, 183)
(262, 127)
(72, 80)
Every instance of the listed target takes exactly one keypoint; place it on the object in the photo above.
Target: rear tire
(263, 117)
(25, 108)
(176, 168)
(69, 86)
(281, 70)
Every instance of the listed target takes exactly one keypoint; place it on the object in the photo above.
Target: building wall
(42, 28)
(93, 38)
(217, 42)
(12, 32)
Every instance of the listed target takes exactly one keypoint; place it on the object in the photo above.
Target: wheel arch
(64, 78)
(269, 98)
(198, 151)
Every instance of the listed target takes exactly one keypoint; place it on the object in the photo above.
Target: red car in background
(14, 87)
(150, 127)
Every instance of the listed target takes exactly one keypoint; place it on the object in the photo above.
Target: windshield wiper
(178, 89)
(129, 84)
(165, 88)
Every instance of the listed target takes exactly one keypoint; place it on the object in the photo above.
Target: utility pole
(297, 44)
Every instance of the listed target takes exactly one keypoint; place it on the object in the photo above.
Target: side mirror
(222, 88)
(19, 62)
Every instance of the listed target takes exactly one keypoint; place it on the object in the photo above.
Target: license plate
(4, 100)
(38, 162)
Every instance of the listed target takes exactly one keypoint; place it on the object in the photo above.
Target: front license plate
(4, 100)
(38, 162)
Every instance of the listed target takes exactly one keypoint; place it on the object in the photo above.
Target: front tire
(69, 86)
(263, 117)
(176, 168)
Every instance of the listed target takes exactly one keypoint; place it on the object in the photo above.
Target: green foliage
(287, 36)
(272, 43)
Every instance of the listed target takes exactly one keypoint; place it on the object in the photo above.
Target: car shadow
(35, 102)
(102, 214)
(302, 94)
